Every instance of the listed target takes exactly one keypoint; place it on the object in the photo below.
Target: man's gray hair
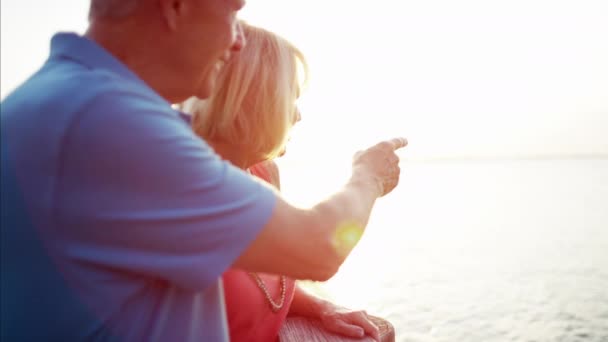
(114, 9)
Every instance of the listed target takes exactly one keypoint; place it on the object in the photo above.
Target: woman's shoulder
(268, 171)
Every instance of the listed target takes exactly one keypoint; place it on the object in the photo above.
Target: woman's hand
(346, 322)
(380, 164)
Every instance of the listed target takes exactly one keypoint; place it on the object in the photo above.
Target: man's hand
(381, 164)
(346, 322)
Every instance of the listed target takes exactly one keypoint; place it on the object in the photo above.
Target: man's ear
(171, 11)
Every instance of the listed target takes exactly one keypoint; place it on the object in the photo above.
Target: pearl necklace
(273, 306)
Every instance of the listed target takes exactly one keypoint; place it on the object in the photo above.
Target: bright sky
(457, 78)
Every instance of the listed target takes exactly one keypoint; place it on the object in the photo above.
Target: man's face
(211, 36)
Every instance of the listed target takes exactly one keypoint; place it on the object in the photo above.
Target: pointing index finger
(398, 143)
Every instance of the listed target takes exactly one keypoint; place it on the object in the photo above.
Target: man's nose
(239, 41)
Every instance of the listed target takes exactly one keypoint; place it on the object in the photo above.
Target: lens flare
(346, 236)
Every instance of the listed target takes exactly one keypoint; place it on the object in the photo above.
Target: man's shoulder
(70, 87)
(91, 85)
(66, 101)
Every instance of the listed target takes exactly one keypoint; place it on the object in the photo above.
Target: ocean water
(512, 250)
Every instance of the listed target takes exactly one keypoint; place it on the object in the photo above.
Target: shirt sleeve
(139, 192)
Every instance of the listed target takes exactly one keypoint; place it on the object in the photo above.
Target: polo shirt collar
(88, 53)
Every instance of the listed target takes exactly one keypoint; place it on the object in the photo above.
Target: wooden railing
(303, 329)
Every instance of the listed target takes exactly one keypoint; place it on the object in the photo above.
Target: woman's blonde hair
(252, 105)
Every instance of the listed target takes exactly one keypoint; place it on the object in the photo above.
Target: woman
(247, 120)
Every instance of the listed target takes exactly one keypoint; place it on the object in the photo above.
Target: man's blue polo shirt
(117, 221)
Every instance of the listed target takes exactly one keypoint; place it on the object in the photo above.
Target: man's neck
(133, 50)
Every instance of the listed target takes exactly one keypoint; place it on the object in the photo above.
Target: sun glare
(464, 80)
(470, 84)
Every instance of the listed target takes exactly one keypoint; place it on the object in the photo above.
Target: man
(117, 221)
